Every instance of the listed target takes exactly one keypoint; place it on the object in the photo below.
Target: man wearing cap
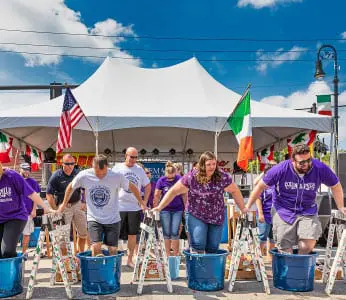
(56, 188)
(30, 206)
(295, 219)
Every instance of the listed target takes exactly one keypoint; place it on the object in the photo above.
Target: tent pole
(97, 137)
(216, 136)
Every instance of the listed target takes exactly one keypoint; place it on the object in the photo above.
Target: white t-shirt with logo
(136, 175)
(102, 195)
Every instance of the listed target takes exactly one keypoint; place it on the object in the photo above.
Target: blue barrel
(206, 272)
(11, 276)
(100, 275)
(174, 266)
(293, 272)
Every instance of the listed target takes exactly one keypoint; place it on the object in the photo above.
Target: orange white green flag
(240, 123)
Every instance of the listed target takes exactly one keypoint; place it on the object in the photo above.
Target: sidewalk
(156, 290)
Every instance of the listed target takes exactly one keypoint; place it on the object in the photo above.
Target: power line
(173, 38)
(161, 59)
(162, 50)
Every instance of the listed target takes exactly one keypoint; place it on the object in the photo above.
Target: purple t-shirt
(267, 197)
(13, 189)
(29, 204)
(296, 195)
(206, 201)
(163, 184)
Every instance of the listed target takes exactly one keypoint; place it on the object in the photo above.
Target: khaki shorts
(29, 227)
(75, 214)
(288, 235)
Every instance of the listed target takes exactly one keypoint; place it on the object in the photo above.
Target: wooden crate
(319, 273)
(152, 272)
(245, 271)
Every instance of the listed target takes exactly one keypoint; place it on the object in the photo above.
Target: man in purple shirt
(295, 219)
(30, 206)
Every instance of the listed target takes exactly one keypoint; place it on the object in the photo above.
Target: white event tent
(180, 107)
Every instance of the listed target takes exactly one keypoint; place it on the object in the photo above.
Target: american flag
(70, 116)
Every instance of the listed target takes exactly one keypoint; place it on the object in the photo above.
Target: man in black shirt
(74, 210)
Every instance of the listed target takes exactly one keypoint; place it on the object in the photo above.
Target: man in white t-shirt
(101, 192)
(128, 205)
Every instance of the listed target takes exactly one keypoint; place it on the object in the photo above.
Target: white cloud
(55, 16)
(258, 4)
(278, 57)
(305, 98)
(343, 35)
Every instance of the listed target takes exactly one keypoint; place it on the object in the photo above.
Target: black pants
(10, 232)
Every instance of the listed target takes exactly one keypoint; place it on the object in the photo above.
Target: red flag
(70, 116)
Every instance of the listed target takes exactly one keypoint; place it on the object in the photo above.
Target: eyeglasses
(303, 162)
(68, 163)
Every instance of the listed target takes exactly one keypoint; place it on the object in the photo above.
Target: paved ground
(157, 290)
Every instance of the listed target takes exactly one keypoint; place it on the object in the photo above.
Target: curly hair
(202, 174)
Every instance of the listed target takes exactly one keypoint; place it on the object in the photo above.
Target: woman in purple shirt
(205, 186)
(172, 214)
(13, 213)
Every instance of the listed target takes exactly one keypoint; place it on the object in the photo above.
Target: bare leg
(131, 245)
(288, 251)
(306, 246)
(26, 239)
(112, 250)
(81, 244)
(168, 247)
(175, 247)
(96, 249)
(263, 246)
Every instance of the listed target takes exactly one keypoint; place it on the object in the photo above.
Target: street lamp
(330, 53)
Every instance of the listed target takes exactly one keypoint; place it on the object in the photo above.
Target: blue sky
(305, 24)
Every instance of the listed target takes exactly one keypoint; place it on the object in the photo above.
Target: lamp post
(330, 53)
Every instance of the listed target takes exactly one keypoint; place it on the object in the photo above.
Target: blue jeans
(203, 236)
(170, 221)
(265, 232)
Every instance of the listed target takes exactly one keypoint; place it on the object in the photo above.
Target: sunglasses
(69, 164)
(133, 157)
(303, 162)
(147, 172)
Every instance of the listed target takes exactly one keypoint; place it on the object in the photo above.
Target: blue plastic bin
(11, 276)
(174, 266)
(293, 272)
(224, 236)
(33, 238)
(100, 275)
(206, 272)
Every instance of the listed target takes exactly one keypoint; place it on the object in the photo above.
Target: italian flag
(5, 148)
(240, 123)
(324, 105)
(306, 138)
(265, 156)
(34, 158)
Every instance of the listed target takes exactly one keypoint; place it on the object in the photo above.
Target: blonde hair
(180, 168)
(170, 168)
(202, 174)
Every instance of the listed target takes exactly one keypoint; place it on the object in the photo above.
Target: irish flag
(307, 138)
(324, 105)
(240, 123)
(265, 156)
(5, 148)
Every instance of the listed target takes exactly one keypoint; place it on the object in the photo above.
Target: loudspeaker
(342, 175)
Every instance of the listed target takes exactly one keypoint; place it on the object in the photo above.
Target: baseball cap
(25, 166)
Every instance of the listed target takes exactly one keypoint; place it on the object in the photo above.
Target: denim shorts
(265, 232)
(171, 221)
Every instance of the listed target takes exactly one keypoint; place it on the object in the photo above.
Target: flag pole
(242, 97)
